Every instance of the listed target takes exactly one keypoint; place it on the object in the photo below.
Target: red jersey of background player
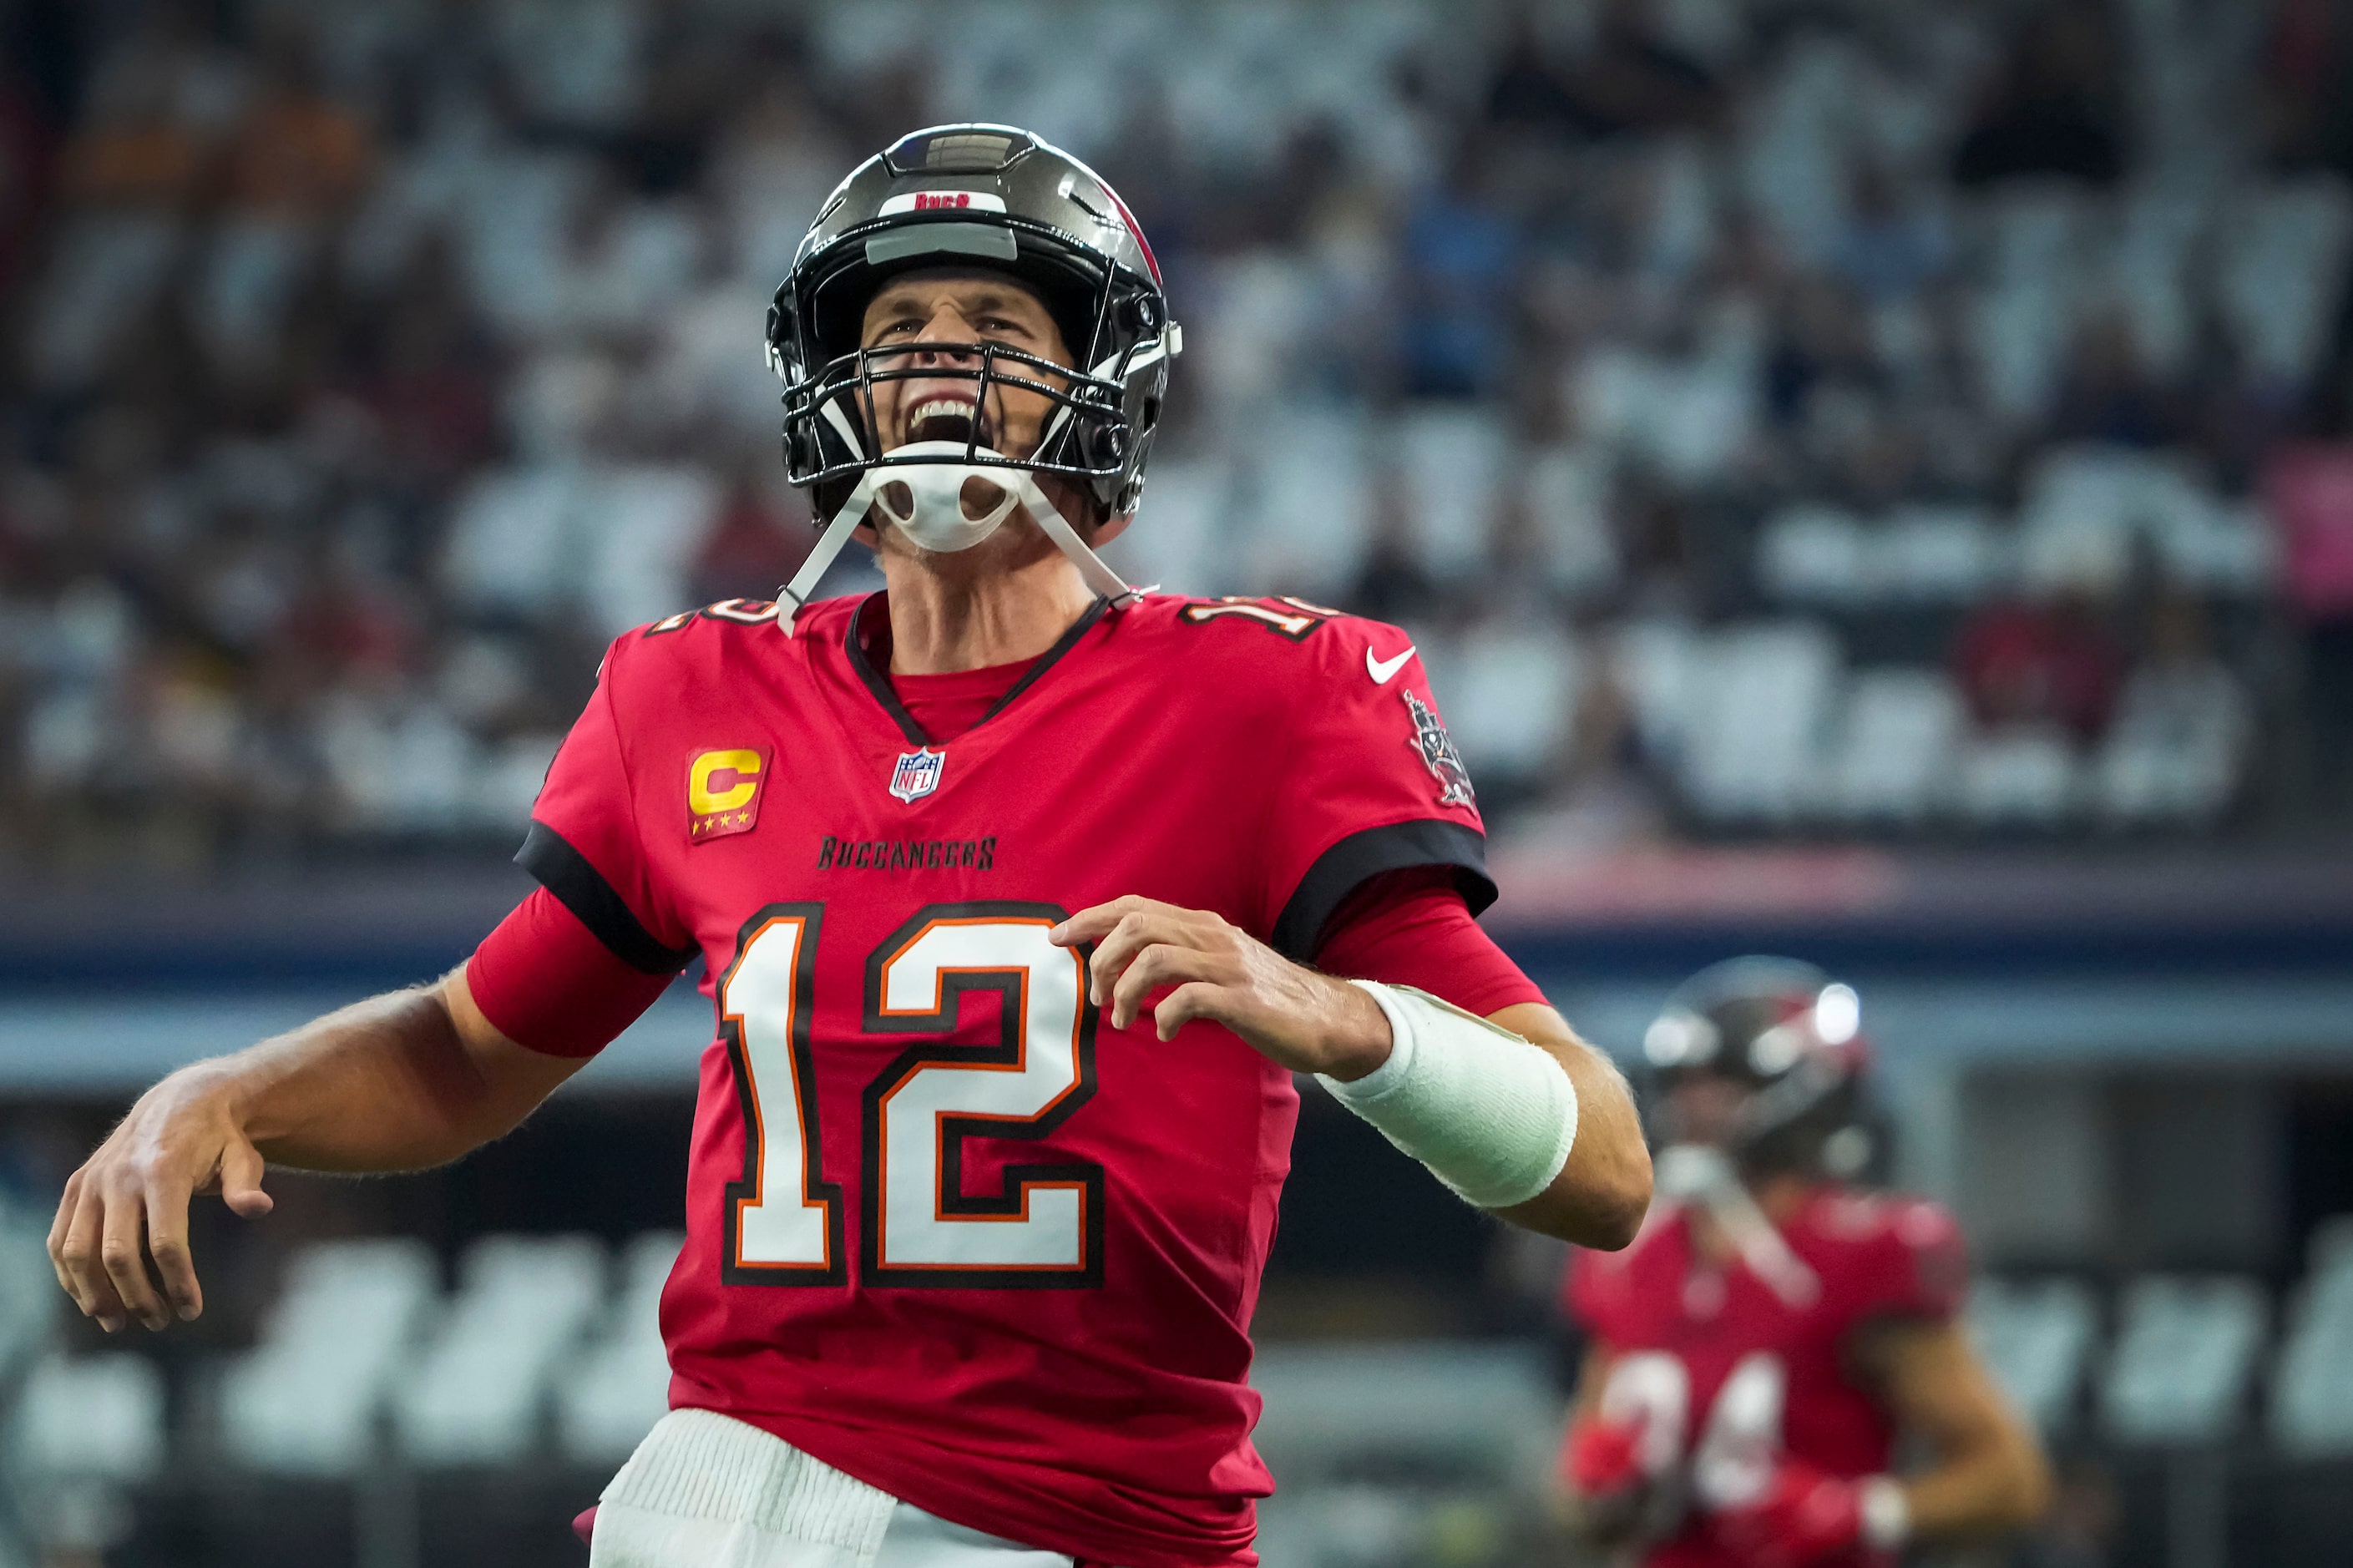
(1723, 1370)
(947, 1230)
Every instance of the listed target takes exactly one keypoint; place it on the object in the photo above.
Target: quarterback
(1754, 1355)
(1022, 895)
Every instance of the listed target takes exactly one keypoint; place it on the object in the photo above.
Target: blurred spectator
(1462, 260)
(1893, 245)
(2305, 106)
(2107, 395)
(1636, 79)
(295, 156)
(2050, 662)
(2056, 105)
(756, 546)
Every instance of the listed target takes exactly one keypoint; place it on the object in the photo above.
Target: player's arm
(1988, 1473)
(1603, 1190)
(1492, 1109)
(401, 1081)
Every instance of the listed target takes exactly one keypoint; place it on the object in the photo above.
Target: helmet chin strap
(1686, 1174)
(935, 521)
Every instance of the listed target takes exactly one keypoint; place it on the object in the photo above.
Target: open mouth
(946, 419)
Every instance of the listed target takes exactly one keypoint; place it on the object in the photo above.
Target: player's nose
(946, 339)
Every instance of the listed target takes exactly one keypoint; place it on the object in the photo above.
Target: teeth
(941, 407)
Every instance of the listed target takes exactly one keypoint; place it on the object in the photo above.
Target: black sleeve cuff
(1343, 869)
(582, 889)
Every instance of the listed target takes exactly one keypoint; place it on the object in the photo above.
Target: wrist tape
(1886, 1514)
(1492, 1115)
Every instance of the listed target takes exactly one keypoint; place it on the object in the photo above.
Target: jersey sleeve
(584, 844)
(1370, 782)
(1412, 928)
(1913, 1265)
(546, 982)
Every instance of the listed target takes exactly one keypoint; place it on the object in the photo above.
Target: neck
(981, 607)
(1777, 1198)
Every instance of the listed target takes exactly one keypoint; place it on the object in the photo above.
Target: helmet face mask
(985, 198)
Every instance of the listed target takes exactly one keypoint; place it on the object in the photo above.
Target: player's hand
(126, 1208)
(1602, 1458)
(1804, 1517)
(1289, 1014)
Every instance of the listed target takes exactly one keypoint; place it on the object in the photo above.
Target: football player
(1023, 894)
(1755, 1354)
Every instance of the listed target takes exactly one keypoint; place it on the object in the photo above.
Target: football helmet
(1001, 199)
(1792, 1037)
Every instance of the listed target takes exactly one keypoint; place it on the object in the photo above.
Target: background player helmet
(1791, 1036)
(999, 199)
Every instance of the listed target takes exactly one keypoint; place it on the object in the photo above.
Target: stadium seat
(1814, 554)
(1891, 760)
(2038, 1339)
(94, 1417)
(2176, 749)
(476, 1394)
(1508, 690)
(1453, 460)
(1567, 495)
(2311, 1380)
(1758, 721)
(307, 1398)
(1309, 488)
(2017, 778)
(619, 1385)
(2184, 1353)
(1331, 1409)
(1948, 554)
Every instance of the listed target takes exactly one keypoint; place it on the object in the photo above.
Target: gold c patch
(723, 792)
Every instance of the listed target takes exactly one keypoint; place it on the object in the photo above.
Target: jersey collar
(875, 607)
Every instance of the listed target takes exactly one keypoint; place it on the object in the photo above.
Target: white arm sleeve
(1492, 1115)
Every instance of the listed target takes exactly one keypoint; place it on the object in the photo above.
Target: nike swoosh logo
(1381, 669)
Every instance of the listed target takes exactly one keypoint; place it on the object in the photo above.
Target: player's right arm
(402, 1081)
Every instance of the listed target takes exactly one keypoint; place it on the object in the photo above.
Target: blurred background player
(1758, 1353)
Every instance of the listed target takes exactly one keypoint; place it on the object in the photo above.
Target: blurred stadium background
(1870, 480)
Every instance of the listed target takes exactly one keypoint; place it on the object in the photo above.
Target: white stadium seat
(619, 1384)
(93, 1418)
(477, 1392)
(307, 1398)
(2184, 1353)
(1759, 716)
(1892, 759)
(2017, 778)
(2038, 1340)
(1814, 554)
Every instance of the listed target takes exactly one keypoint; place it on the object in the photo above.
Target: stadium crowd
(1786, 415)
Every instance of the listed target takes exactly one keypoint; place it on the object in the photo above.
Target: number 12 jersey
(947, 1230)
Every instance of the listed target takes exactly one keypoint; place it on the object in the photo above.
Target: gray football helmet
(999, 199)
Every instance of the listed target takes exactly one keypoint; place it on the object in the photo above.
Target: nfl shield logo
(917, 774)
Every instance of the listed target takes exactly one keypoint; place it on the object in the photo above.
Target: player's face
(931, 322)
(1704, 1108)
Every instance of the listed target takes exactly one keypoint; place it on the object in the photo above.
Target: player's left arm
(1309, 1022)
(1988, 1473)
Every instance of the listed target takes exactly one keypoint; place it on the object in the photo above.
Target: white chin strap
(1698, 1173)
(935, 519)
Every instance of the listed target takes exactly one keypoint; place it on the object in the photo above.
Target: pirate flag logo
(1439, 755)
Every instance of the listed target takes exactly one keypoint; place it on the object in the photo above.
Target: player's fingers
(1117, 950)
(240, 1179)
(166, 1201)
(121, 1251)
(1158, 965)
(68, 1203)
(1093, 921)
(91, 1292)
(1194, 999)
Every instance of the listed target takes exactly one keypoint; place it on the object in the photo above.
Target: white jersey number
(923, 1221)
(1733, 1462)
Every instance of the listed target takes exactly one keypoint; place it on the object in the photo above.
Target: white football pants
(705, 1491)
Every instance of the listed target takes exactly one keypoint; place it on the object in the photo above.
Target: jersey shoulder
(1885, 1252)
(693, 645)
(1277, 641)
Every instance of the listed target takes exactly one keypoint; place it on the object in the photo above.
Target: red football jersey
(947, 1230)
(1724, 1371)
